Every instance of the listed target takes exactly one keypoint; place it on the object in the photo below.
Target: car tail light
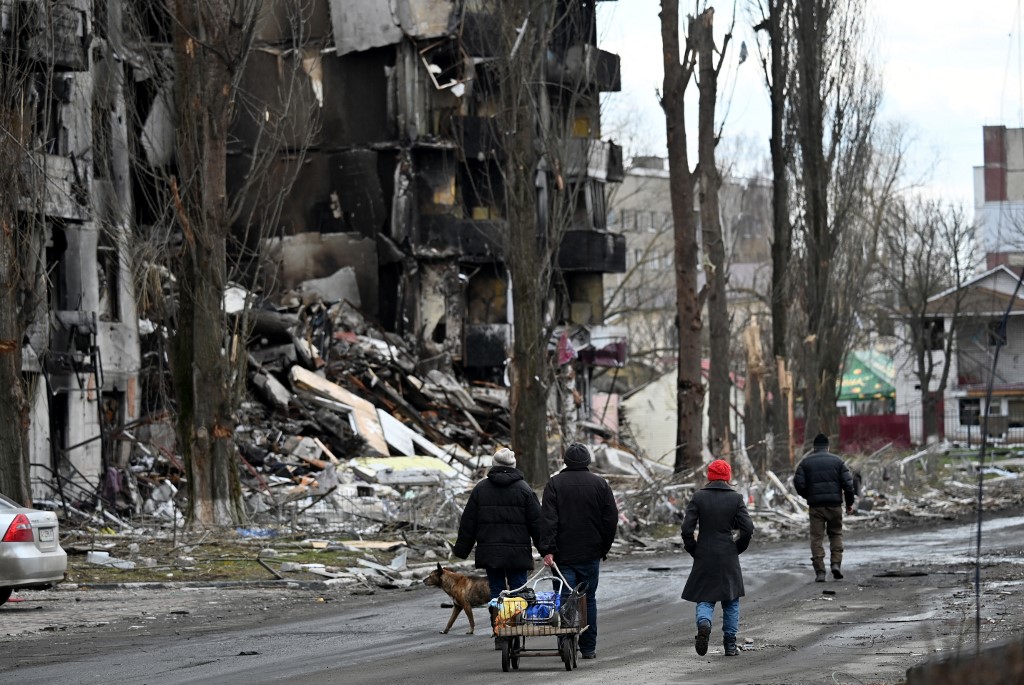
(20, 530)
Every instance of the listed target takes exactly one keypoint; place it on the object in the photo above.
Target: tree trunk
(689, 388)
(522, 74)
(754, 399)
(819, 395)
(782, 228)
(202, 371)
(719, 387)
(15, 270)
(14, 409)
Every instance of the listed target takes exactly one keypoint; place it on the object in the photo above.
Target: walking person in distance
(825, 481)
(712, 514)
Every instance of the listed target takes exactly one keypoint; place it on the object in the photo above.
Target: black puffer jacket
(579, 516)
(716, 574)
(502, 517)
(823, 479)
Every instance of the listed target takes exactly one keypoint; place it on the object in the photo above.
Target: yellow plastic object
(509, 610)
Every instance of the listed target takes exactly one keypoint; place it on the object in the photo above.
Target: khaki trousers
(826, 521)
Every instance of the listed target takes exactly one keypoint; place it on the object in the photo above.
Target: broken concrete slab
(405, 470)
(365, 414)
(341, 285)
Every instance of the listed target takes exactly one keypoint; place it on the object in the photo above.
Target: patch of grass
(221, 561)
(663, 530)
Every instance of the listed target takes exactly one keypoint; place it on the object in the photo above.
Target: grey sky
(948, 67)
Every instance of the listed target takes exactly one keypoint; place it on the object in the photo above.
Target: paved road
(880, 620)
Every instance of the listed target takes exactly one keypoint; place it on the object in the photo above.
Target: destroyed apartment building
(390, 241)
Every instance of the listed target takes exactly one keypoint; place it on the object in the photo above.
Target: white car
(30, 551)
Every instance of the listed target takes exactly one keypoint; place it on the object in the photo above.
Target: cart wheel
(515, 651)
(506, 649)
(565, 647)
(575, 648)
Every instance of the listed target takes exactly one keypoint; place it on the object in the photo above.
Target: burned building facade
(80, 351)
(402, 177)
(395, 159)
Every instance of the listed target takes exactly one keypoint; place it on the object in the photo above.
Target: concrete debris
(348, 437)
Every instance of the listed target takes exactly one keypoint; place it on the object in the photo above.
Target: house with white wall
(987, 357)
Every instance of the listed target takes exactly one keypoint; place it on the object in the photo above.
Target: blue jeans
(730, 615)
(584, 572)
(496, 578)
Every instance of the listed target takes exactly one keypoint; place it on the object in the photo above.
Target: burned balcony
(480, 32)
(597, 159)
(585, 67)
(50, 33)
(470, 240)
(73, 351)
(592, 251)
(486, 344)
(478, 138)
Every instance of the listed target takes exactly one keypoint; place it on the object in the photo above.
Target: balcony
(478, 138)
(594, 251)
(597, 159)
(585, 67)
(486, 344)
(470, 241)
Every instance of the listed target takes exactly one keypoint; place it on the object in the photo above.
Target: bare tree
(926, 249)
(190, 59)
(690, 388)
(710, 184)
(524, 30)
(776, 23)
(836, 99)
(26, 102)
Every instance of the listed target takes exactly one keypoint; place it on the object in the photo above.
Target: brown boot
(836, 573)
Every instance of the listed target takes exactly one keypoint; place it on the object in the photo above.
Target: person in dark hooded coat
(502, 518)
(717, 510)
(578, 524)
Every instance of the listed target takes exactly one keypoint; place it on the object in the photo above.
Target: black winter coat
(717, 510)
(502, 517)
(578, 516)
(823, 479)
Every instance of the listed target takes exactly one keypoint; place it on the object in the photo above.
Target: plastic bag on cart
(570, 610)
(544, 609)
(527, 593)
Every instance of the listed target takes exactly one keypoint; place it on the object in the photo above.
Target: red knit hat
(719, 469)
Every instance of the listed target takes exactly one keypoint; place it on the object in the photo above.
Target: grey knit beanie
(504, 457)
(577, 454)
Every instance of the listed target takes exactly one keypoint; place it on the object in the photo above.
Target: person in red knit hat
(716, 510)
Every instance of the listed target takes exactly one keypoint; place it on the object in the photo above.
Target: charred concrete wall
(82, 354)
(404, 151)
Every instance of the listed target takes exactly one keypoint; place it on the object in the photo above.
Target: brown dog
(466, 592)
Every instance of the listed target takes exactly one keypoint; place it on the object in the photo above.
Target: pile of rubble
(349, 434)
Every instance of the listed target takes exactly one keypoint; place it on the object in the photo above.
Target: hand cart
(546, 614)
